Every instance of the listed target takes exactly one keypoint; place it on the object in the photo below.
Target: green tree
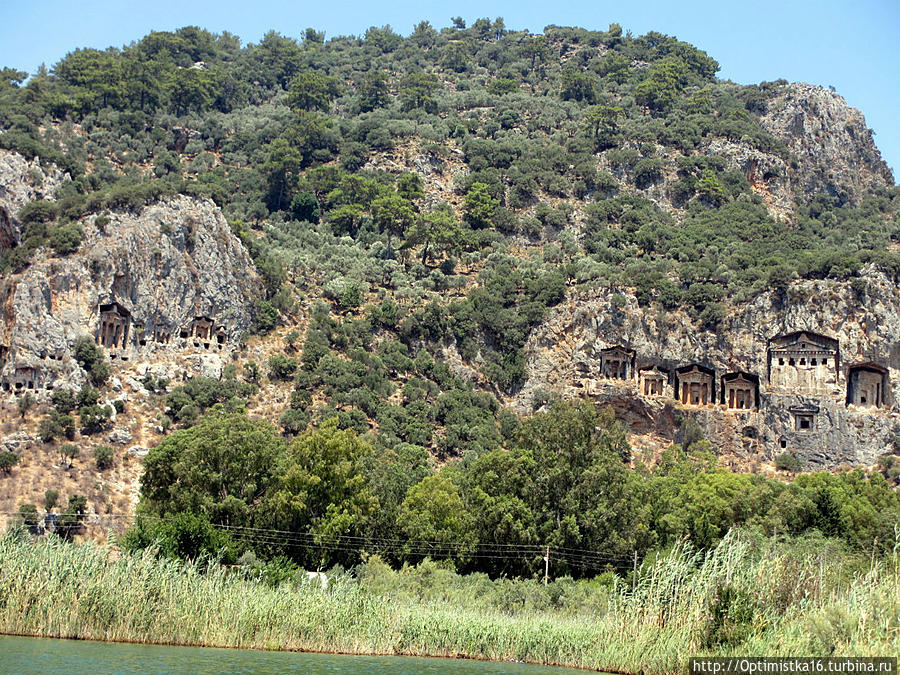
(281, 367)
(602, 120)
(70, 521)
(436, 232)
(312, 90)
(321, 488)
(417, 90)
(220, 469)
(578, 86)
(282, 166)
(87, 395)
(63, 400)
(68, 452)
(192, 89)
(305, 206)
(535, 49)
(390, 473)
(51, 499)
(182, 535)
(663, 85)
(29, 516)
(373, 90)
(103, 457)
(7, 461)
(393, 215)
(94, 418)
(480, 207)
(66, 239)
(25, 403)
(433, 511)
(95, 75)
(409, 186)
(90, 356)
(499, 488)
(275, 60)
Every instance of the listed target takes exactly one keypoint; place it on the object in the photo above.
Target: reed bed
(730, 600)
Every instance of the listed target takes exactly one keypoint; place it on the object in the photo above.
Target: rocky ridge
(564, 360)
(833, 148)
(161, 268)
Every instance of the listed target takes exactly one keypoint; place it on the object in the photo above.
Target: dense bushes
(255, 128)
(562, 480)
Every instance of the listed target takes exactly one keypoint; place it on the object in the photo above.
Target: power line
(576, 557)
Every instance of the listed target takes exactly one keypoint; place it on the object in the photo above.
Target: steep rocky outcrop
(563, 358)
(833, 147)
(22, 181)
(151, 286)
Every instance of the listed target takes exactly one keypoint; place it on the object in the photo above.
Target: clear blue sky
(852, 46)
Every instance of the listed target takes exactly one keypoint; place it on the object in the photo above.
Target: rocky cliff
(22, 181)
(833, 149)
(828, 150)
(148, 286)
(564, 359)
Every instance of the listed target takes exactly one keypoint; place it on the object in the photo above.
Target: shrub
(293, 421)
(7, 461)
(281, 367)
(29, 516)
(788, 462)
(66, 239)
(87, 395)
(92, 359)
(64, 400)
(51, 498)
(94, 418)
(103, 457)
(56, 425)
(266, 317)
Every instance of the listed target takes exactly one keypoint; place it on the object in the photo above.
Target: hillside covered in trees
(415, 207)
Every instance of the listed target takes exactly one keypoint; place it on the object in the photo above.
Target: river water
(41, 656)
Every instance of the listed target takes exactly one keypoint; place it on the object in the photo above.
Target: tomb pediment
(618, 350)
(740, 391)
(803, 341)
(870, 366)
(114, 308)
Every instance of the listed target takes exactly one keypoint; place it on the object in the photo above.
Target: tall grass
(734, 599)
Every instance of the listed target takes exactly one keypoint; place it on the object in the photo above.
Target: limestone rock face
(833, 146)
(172, 278)
(564, 357)
(22, 181)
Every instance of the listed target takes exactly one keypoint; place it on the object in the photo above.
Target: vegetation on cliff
(233, 487)
(417, 205)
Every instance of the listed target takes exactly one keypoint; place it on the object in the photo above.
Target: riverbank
(733, 600)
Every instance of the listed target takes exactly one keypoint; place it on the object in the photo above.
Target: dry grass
(773, 605)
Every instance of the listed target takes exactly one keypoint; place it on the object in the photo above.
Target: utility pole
(546, 565)
(634, 571)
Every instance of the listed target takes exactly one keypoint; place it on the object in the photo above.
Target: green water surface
(41, 656)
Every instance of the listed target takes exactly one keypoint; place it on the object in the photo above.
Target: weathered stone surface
(22, 181)
(564, 358)
(163, 267)
(18, 441)
(137, 451)
(833, 146)
(120, 436)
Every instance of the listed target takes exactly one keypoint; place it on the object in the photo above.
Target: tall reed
(730, 600)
